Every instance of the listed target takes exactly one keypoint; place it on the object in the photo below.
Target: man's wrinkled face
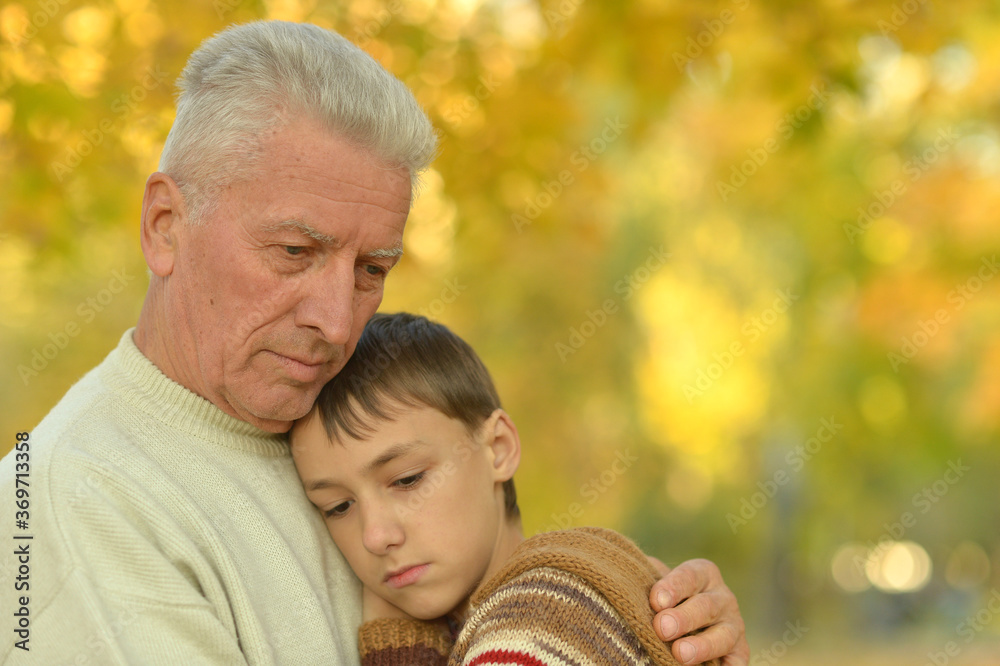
(277, 283)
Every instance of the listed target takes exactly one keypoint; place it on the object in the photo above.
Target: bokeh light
(898, 566)
(968, 566)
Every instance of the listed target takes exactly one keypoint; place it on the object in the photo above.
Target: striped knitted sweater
(567, 598)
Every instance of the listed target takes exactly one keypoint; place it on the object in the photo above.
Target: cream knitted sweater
(167, 532)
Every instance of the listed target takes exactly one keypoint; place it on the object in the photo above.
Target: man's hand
(691, 597)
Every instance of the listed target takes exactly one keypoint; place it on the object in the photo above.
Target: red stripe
(506, 657)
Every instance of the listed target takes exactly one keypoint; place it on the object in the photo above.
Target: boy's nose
(381, 530)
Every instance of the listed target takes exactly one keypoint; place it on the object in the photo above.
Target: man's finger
(720, 639)
(693, 597)
(733, 660)
(660, 567)
(683, 581)
(695, 613)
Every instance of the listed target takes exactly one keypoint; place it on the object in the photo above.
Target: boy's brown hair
(412, 360)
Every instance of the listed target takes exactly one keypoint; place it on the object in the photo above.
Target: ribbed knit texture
(565, 598)
(168, 532)
(389, 641)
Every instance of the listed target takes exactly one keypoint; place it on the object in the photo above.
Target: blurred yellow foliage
(699, 232)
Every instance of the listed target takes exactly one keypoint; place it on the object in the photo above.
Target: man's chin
(277, 409)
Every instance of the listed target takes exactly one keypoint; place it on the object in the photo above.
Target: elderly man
(168, 524)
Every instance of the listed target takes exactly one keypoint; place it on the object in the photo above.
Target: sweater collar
(137, 381)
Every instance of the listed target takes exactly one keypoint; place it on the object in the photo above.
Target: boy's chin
(428, 611)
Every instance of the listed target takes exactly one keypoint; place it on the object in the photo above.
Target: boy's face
(417, 509)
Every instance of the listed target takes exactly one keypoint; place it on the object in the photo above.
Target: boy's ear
(163, 215)
(504, 444)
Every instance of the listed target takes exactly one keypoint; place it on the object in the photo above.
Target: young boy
(410, 459)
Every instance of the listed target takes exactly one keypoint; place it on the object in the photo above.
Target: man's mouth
(302, 368)
(318, 360)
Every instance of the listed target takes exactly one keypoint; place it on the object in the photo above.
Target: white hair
(250, 77)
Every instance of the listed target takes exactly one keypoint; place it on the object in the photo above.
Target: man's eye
(294, 249)
(372, 269)
(409, 481)
(338, 510)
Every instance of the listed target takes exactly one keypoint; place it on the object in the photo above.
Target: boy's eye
(409, 481)
(338, 510)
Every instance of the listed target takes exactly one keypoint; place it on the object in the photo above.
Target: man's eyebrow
(302, 228)
(386, 252)
(325, 239)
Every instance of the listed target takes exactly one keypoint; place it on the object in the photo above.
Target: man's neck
(151, 334)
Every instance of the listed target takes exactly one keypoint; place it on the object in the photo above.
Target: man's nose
(327, 303)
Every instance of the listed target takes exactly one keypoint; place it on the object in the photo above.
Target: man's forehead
(304, 148)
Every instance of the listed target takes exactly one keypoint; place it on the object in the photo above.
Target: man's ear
(504, 443)
(163, 216)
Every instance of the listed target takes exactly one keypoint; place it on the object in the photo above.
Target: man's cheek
(338, 364)
(310, 394)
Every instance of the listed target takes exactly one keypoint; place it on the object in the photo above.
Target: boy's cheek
(354, 560)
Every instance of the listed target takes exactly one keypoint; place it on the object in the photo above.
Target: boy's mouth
(405, 575)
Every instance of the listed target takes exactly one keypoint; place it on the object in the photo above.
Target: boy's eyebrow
(390, 454)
